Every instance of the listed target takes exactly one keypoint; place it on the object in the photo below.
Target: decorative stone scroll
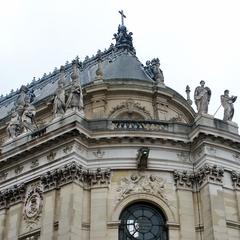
(12, 195)
(74, 172)
(33, 205)
(236, 179)
(210, 173)
(137, 183)
(183, 179)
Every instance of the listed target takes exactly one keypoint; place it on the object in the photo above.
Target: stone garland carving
(33, 205)
(12, 195)
(184, 179)
(130, 106)
(210, 173)
(75, 172)
(236, 179)
(51, 156)
(19, 169)
(3, 176)
(137, 183)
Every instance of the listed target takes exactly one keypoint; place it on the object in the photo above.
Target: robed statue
(59, 98)
(227, 103)
(202, 97)
(75, 99)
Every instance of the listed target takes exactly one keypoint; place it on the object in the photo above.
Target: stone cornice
(236, 179)
(74, 172)
(183, 180)
(209, 173)
(205, 174)
(12, 195)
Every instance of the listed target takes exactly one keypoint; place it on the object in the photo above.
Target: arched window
(142, 221)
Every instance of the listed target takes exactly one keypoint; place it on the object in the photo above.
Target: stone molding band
(56, 178)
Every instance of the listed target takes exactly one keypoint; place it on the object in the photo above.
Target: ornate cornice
(209, 173)
(183, 179)
(236, 179)
(74, 172)
(206, 174)
(12, 195)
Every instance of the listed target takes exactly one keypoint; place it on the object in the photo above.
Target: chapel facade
(104, 149)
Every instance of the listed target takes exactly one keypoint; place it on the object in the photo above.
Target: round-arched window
(142, 221)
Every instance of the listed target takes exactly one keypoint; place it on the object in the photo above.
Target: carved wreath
(33, 205)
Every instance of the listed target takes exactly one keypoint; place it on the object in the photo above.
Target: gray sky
(193, 39)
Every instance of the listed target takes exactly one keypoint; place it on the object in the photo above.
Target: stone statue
(124, 39)
(28, 116)
(14, 126)
(152, 68)
(75, 99)
(202, 97)
(227, 103)
(21, 100)
(59, 98)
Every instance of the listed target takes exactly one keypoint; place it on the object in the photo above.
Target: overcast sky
(194, 39)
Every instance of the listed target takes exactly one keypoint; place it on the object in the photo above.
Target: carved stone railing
(138, 125)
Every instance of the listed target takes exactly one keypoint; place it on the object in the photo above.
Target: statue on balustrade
(59, 105)
(14, 127)
(28, 116)
(227, 103)
(75, 99)
(202, 97)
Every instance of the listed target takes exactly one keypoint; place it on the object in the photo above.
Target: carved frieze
(137, 183)
(129, 106)
(236, 179)
(12, 195)
(210, 174)
(34, 163)
(183, 179)
(74, 172)
(33, 205)
(3, 176)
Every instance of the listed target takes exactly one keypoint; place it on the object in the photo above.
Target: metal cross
(122, 16)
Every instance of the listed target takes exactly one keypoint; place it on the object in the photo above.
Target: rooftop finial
(122, 16)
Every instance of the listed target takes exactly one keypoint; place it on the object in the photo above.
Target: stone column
(48, 216)
(210, 180)
(70, 213)
(13, 222)
(98, 221)
(3, 213)
(184, 185)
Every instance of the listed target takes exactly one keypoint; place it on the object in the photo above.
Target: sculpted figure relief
(227, 103)
(202, 97)
(75, 100)
(59, 98)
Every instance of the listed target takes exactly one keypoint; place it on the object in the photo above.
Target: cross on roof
(122, 16)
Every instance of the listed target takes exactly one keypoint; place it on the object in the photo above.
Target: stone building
(104, 149)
